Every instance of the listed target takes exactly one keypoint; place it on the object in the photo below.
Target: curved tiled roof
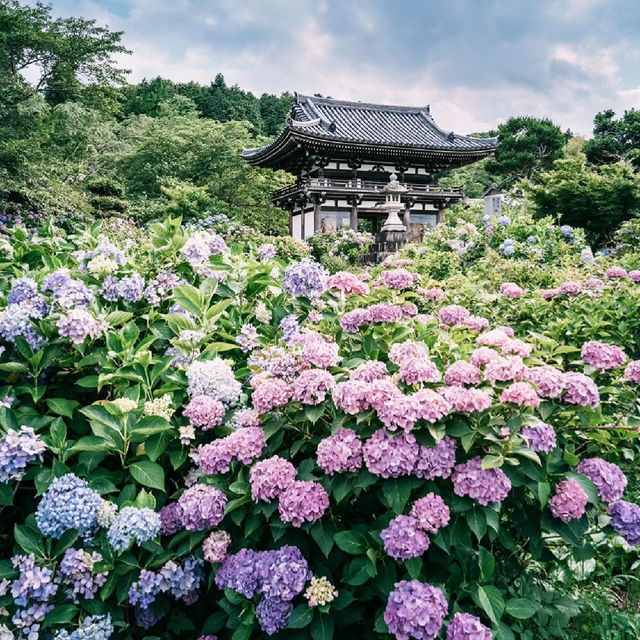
(343, 121)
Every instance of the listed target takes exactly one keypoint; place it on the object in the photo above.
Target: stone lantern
(393, 205)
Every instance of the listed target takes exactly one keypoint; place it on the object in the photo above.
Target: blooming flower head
(68, 503)
(369, 371)
(418, 370)
(320, 592)
(616, 272)
(625, 520)
(540, 437)
(171, 519)
(213, 378)
(398, 279)
(271, 394)
(548, 381)
(348, 283)
(483, 485)
(390, 456)
(202, 507)
(503, 369)
(453, 314)
(632, 372)
(569, 501)
(340, 452)
(159, 407)
(465, 400)
(17, 450)
(351, 396)
(404, 538)
(204, 412)
(603, 356)
(77, 573)
(133, 524)
(464, 626)
(78, 325)
(431, 513)
(270, 477)
(607, 476)
(273, 614)
(580, 390)
(303, 501)
(399, 412)
(436, 462)
(521, 393)
(304, 278)
(511, 290)
(415, 610)
(462, 372)
(215, 546)
(312, 385)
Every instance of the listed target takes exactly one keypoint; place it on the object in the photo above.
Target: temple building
(342, 154)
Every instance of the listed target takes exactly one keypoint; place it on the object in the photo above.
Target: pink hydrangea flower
(204, 412)
(635, 275)
(418, 370)
(453, 314)
(465, 626)
(549, 382)
(270, 477)
(407, 350)
(430, 406)
(303, 501)
(369, 371)
(482, 356)
(517, 347)
(311, 386)
(247, 418)
(431, 512)
(404, 538)
(475, 323)
(381, 391)
(569, 501)
(462, 372)
(340, 452)
(483, 485)
(494, 338)
(432, 294)
(246, 444)
(569, 288)
(390, 456)
(270, 394)
(511, 290)
(398, 279)
(399, 412)
(504, 369)
(464, 400)
(632, 372)
(352, 396)
(603, 356)
(348, 283)
(436, 462)
(616, 272)
(521, 393)
(580, 390)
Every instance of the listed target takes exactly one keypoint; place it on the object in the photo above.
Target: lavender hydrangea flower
(390, 457)
(569, 501)
(273, 614)
(17, 450)
(22, 290)
(78, 325)
(34, 583)
(133, 524)
(270, 477)
(303, 501)
(483, 485)
(404, 538)
(171, 519)
(131, 288)
(290, 327)
(608, 478)
(625, 520)
(464, 626)
(247, 339)
(540, 437)
(284, 573)
(68, 503)
(415, 610)
(143, 592)
(15, 321)
(304, 278)
(214, 547)
(202, 507)
(77, 573)
(340, 452)
(431, 513)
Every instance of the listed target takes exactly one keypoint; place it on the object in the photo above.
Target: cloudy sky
(476, 62)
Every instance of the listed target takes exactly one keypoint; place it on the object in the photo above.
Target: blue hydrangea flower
(92, 628)
(505, 221)
(68, 503)
(17, 449)
(133, 524)
(304, 278)
(22, 289)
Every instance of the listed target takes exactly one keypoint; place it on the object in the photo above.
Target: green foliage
(614, 139)
(598, 199)
(338, 250)
(526, 146)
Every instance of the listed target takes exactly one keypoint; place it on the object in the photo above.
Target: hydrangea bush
(200, 441)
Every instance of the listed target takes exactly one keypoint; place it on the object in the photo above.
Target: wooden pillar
(291, 222)
(316, 216)
(302, 221)
(407, 217)
(354, 216)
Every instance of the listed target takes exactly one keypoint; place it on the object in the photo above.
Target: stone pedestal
(386, 243)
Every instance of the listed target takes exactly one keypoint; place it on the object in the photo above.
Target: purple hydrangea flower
(608, 478)
(340, 452)
(464, 626)
(202, 507)
(273, 614)
(483, 485)
(569, 501)
(390, 457)
(17, 449)
(304, 278)
(431, 513)
(625, 519)
(404, 538)
(541, 437)
(303, 501)
(77, 572)
(415, 610)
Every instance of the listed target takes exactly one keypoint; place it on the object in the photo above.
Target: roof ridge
(300, 98)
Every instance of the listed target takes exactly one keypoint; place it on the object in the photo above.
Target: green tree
(146, 96)
(66, 52)
(527, 146)
(598, 199)
(274, 111)
(614, 139)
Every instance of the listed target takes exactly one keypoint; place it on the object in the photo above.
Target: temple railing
(355, 185)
